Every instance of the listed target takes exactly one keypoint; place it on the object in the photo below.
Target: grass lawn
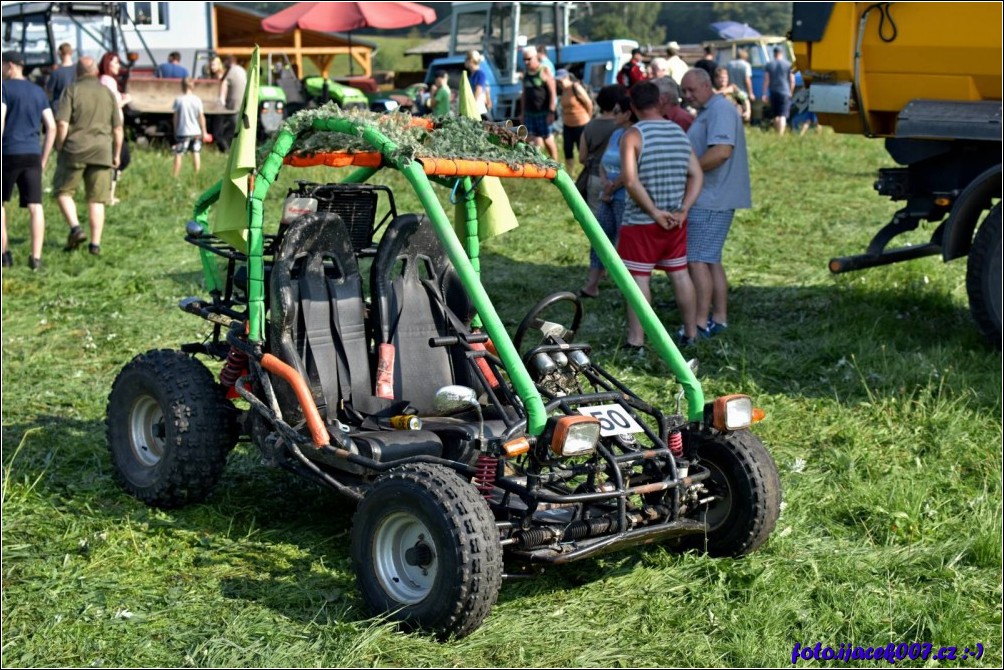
(883, 414)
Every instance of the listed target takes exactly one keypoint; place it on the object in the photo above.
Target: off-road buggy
(464, 448)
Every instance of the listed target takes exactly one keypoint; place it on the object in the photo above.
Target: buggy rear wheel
(747, 488)
(426, 551)
(169, 428)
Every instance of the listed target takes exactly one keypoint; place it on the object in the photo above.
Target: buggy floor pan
(596, 546)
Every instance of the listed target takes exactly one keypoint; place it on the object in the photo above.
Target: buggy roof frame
(463, 259)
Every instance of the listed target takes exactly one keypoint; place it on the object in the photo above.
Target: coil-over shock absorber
(484, 477)
(676, 443)
(234, 368)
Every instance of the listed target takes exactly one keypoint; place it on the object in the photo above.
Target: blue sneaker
(715, 328)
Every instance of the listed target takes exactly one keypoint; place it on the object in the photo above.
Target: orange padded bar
(367, 159)
(449, 167)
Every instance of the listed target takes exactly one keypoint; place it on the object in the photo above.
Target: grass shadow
(802, 341)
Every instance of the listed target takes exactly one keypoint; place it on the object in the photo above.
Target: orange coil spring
(235, 367)
(676, 443)
(484, 477)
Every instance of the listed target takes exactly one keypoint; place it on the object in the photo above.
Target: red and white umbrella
(344, 17)
(341, 17)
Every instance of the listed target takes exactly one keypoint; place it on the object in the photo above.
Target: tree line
(683, 22)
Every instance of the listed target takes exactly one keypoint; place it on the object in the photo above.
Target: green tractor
(322, 90)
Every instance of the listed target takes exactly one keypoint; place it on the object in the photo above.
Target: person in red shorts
(663, 179)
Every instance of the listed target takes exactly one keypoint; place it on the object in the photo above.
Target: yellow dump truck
(926, 77)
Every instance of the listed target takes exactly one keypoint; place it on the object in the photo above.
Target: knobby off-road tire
(426, 551)
(983, 277)
(169, 428)
(744, 475)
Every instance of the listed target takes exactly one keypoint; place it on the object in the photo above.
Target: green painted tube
(208, 198)
(256, 280)
(473, 241)
(201, 215)
(360, 176)
(654, 329)
(256, 239)
(471, 225)
(521, 381)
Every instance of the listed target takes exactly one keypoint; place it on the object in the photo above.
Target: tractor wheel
(983, 277)
(426, 551)
(169, 428)
(745, 482)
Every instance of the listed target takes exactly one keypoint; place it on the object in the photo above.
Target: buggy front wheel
(169, 428)
(426, 551)
(747, 494)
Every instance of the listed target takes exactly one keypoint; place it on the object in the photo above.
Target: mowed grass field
(883, 413)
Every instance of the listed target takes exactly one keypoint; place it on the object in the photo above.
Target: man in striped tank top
(663, 179)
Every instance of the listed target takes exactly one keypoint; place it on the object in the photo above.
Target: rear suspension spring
(484, 477)
(676, 443)
(234, 368)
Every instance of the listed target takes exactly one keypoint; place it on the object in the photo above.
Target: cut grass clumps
(883, 412)
(453, 137)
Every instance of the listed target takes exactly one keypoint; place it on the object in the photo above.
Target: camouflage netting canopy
(451, 137)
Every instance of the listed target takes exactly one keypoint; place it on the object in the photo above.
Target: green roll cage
(464, 260)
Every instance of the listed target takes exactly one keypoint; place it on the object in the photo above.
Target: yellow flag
(495, 215)
(231, 223)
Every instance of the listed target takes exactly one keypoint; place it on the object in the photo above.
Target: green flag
(495, 215)
(231, 223)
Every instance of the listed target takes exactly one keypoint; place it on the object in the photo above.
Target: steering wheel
(547, 328)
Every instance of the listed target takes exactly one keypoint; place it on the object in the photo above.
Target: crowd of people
(663, 163)
(662, 153)
(79, 115)
(664, 169)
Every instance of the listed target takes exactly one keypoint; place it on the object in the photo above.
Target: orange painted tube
(449, 167)
(369, 159)
(318, 432)
(422, 122)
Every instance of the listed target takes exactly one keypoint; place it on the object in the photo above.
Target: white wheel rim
(147, 430)
(405, 558)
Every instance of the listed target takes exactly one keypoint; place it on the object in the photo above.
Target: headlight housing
(574, 435)
(733, 412)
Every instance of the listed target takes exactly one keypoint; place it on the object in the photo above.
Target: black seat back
(413, 281)
(317, 322)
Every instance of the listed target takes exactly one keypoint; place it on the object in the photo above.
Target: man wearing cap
(676, 65)
(24, 109)
(89, 145)
(540, 102)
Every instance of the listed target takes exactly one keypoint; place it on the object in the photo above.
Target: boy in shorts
(663, 179)
(189, 126)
